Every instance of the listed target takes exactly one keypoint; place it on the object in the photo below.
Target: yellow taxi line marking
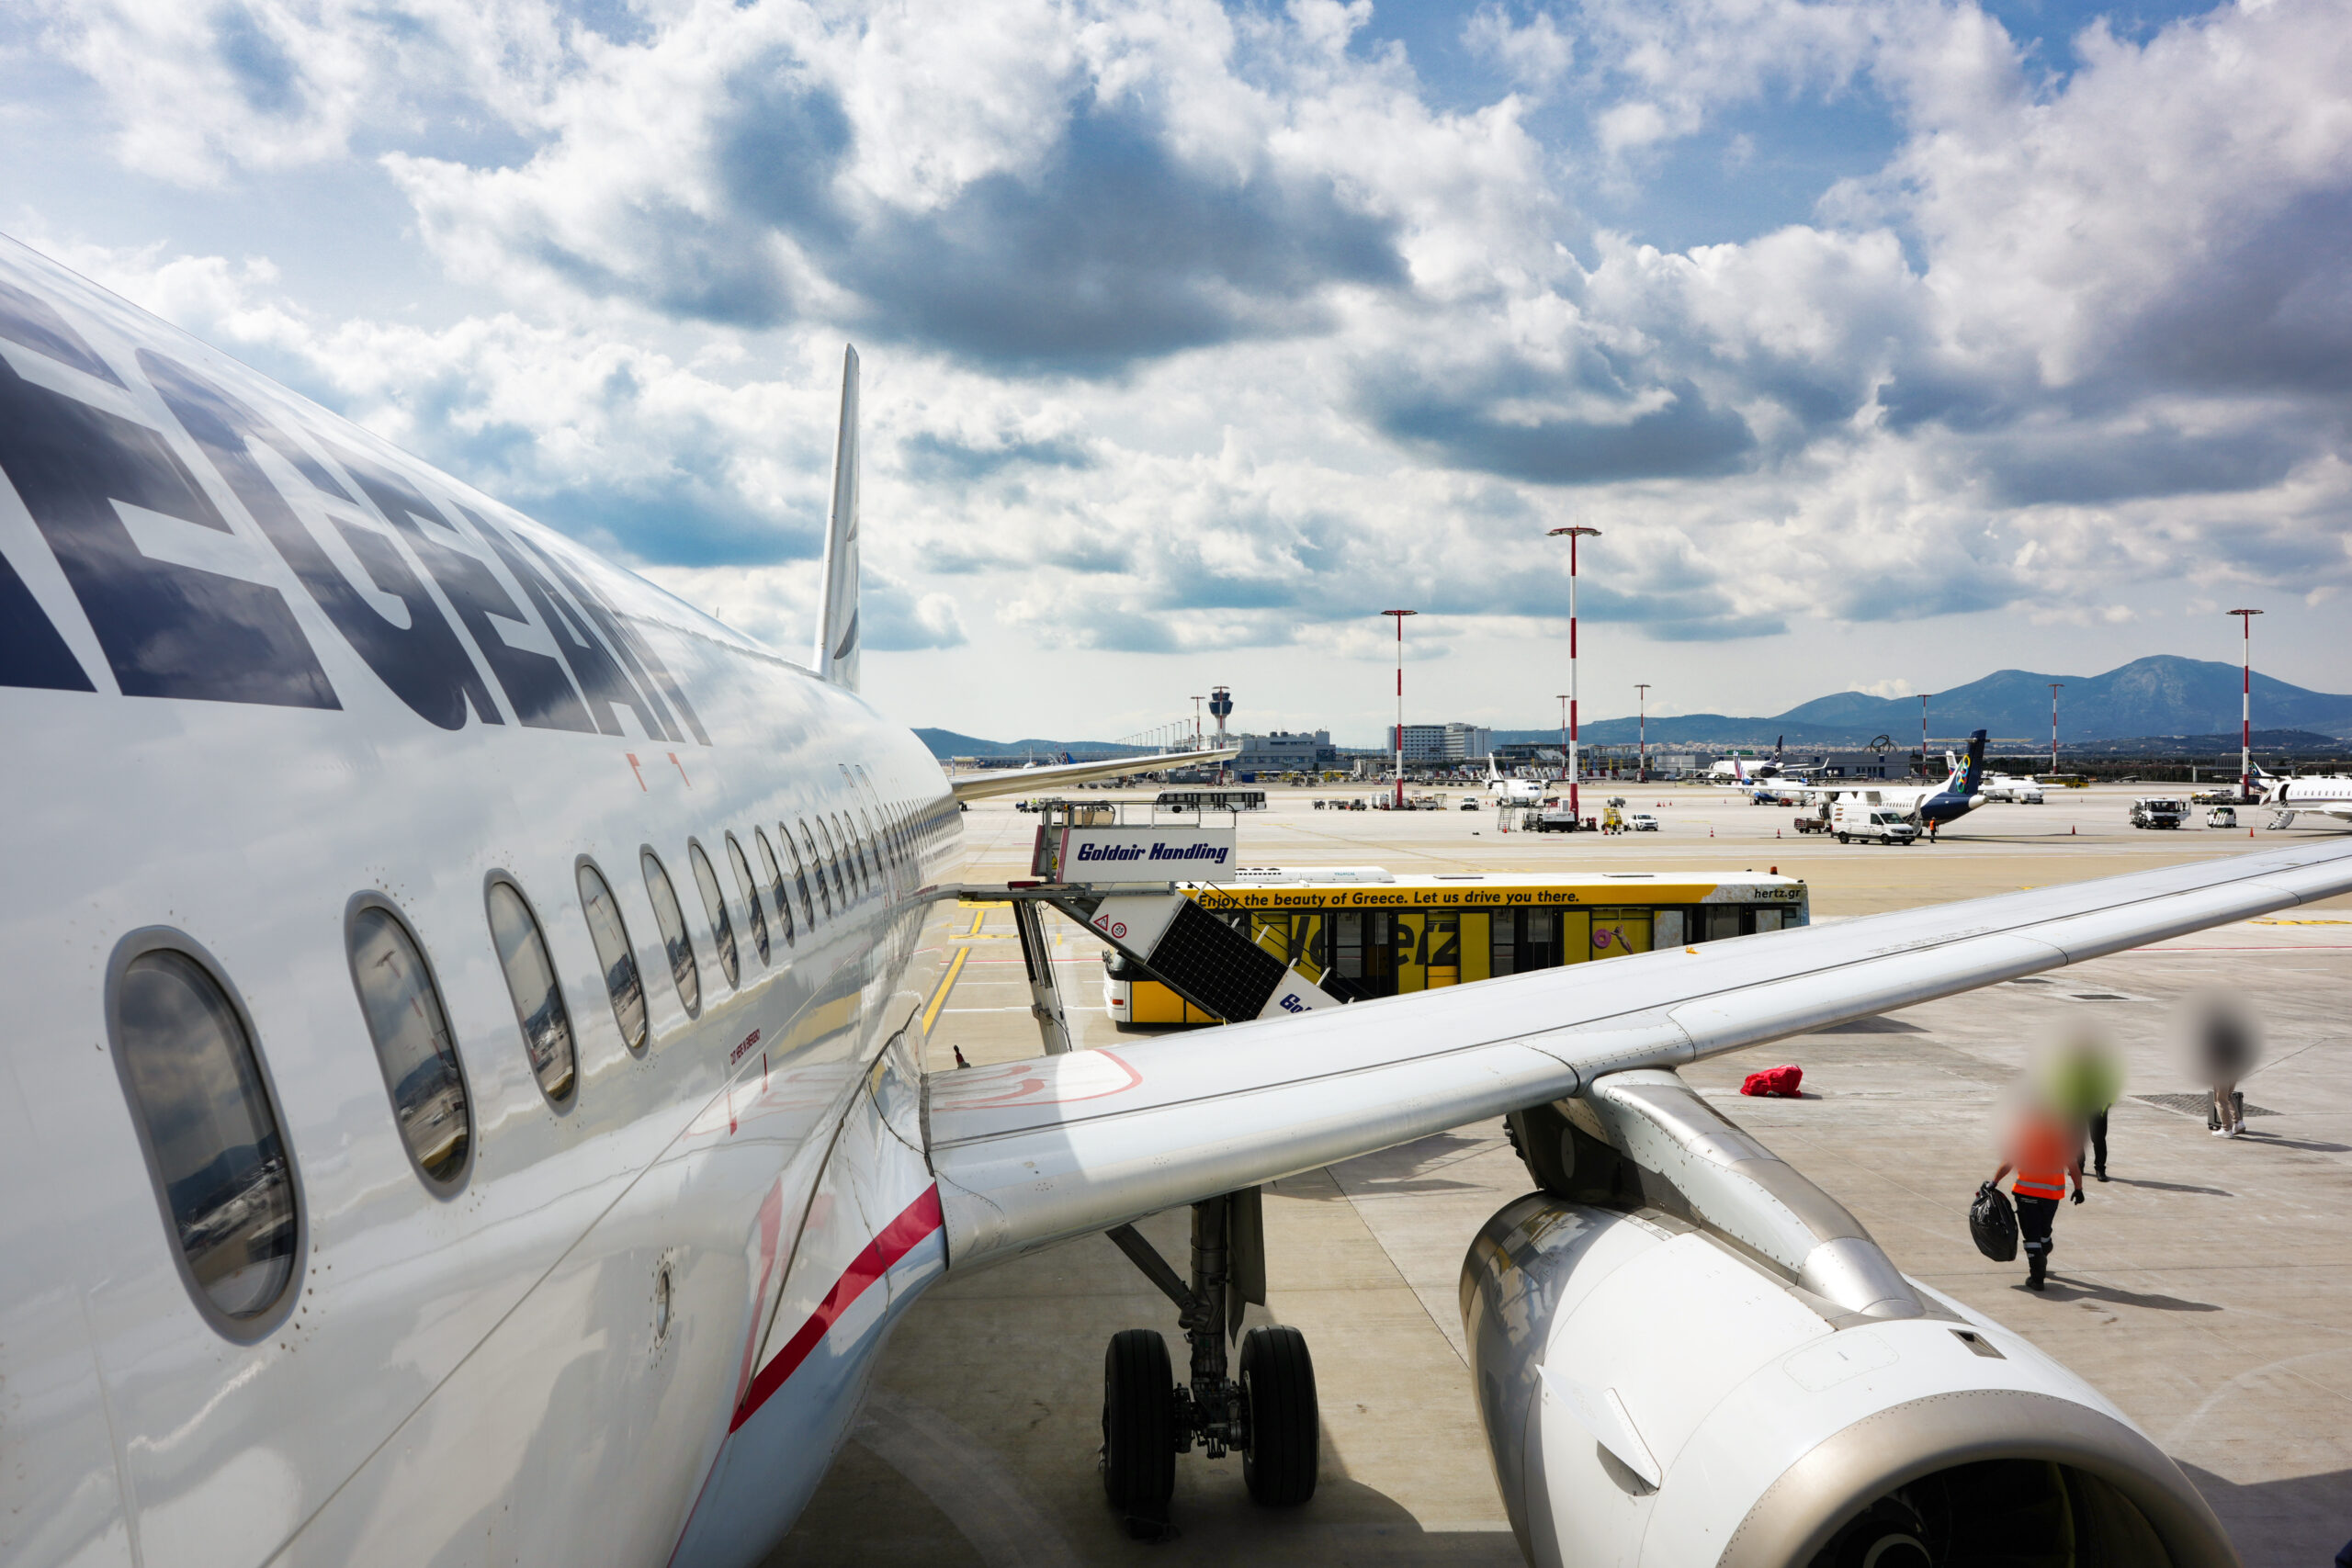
(946, 984)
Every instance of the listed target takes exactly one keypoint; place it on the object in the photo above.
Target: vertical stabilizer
(837, 621)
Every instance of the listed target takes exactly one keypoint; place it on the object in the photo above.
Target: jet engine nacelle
(1658, 1396)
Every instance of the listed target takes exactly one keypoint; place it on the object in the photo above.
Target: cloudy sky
(1888, 344)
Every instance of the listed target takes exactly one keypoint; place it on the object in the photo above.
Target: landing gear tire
(1139, 1426)
(1285, 1431)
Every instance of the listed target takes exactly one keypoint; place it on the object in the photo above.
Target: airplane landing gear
(1267, 1413)
(1139, 1426)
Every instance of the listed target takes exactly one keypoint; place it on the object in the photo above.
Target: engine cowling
(1653, 1396)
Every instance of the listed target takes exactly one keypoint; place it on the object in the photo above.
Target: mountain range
(2160, 696)
(2156, 696)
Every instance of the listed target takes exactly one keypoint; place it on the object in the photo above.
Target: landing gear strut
(1267, 1414)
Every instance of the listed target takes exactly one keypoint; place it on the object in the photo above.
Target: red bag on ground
(1776, 1083)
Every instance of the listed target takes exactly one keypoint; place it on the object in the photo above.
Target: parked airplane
(2323, 794)
(1929, 807)
(1735, 768)
(464, 1099)
(2017, 789)
(1512, 792)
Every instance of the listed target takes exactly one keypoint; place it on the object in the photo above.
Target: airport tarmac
(2207, 1289)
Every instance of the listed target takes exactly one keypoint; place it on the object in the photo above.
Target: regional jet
(2319, 794)
(466, 1101)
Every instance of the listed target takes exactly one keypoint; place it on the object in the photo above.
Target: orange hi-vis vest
(2041, 1159)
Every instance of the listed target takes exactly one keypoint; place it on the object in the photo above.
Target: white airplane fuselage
(635, 1325)
(2321, 795)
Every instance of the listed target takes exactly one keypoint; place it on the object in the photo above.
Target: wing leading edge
(1032, 1153)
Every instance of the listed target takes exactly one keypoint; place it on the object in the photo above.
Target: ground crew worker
(2044, 1154)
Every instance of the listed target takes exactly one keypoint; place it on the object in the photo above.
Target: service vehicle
(1641, 822)
(1359, 939)
(1556, 817)
(2159, 811)
(1211, 800)
(2222, 817)
(1854, 819)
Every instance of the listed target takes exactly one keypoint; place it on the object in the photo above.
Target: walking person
(2082, 1081)
(2044, 1151)
(2225, 1047)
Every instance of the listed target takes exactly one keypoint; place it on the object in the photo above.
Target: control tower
(1220, 708)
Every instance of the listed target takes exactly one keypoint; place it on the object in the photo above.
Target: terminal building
(1285, 753)
(1440, 745)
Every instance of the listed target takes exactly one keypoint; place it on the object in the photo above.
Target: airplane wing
(1031, 1153)
(1021, 780)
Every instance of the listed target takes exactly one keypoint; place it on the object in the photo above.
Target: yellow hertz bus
(1358, 940)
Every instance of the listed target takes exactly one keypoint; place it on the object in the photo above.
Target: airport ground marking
(946, 984)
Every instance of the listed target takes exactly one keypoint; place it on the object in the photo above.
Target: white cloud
(1533, 54)
(1196, 329)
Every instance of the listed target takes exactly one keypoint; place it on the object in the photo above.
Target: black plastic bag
(1994, 1224)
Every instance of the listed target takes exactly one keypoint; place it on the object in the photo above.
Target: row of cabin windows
(193, 1074)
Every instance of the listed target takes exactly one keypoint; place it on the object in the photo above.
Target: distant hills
(2161, 697)
(2154, 697)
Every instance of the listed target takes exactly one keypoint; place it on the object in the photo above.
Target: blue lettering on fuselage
(170, 630)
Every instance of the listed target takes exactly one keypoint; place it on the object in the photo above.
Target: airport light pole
(1642, 735)
(1573, 534)
(1400, 616)
(1923, 735)
(1197, 724)
(1564, 733)
(2245, 709)
(2054, 685)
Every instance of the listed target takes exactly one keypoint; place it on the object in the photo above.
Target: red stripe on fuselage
(900, 1237)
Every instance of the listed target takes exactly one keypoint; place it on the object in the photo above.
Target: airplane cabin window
(750, 895)
(405, 1019)
(855, 860)
(776, 885)
(714, 904)
(817, 870)
(869, 845)
(831, 864)
(531, 981)
(614, 954)
(204, 1112)
(684, 971)
(799, 873)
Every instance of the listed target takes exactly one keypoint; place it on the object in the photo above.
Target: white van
(1853, 820)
